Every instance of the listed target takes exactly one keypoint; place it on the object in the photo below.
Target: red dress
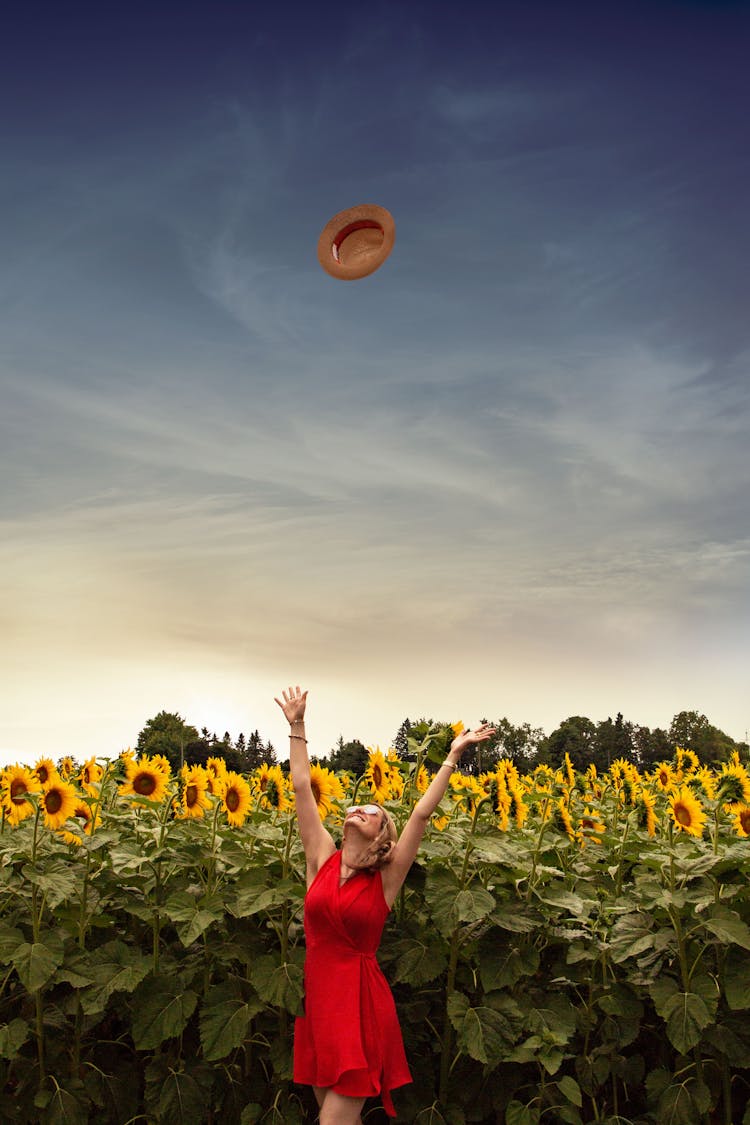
(349, 1038)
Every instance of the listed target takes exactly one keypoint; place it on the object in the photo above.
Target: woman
(348, 1044)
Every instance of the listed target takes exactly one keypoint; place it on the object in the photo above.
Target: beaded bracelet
(451, 765)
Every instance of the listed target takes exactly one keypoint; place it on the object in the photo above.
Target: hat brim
(356, 242)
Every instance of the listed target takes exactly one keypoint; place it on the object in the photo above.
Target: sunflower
(15, 782)
(664, 776)
(395, 776)
(570, 773)
(326, 789)
(90, 775)
(83, 813)
(45, 769)
(66, 767)
(378, 776)
(685, 760)
(274, 794)
(543, 778)
(590, 828)
(502, 805)
(58, 802)
(517, 808)
(702, 783)
(422, 780)
(159, 762)
(733, 784)
(508, 772)
(144, 779)
(645, 809)
(561, 818)
(457, 728)
(235, 798)
(216, 768)
(742, 820)
(687, 811)
(193, 800)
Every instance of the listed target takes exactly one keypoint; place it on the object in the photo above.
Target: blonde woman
(348, 1043)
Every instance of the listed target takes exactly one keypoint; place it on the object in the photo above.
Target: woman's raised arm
(317, 842)
(405, 851)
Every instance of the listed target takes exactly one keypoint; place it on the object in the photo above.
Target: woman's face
(366, 819)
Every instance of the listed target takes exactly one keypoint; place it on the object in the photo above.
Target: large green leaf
(684, 1103)
(12, 1036)
(194, 914)
(280, 985)
(181, 1101)
(501, 966)
(631, 935)
(737, 980)
(419, 961)
(58, 880)
(562, 900)
(60, 1106)
(483, 1033)
(253, 897)
(686, 1014)
(729, 929)
(224, 1020)
(35, 962)
(10, 939)
(160, 1012)
(519, 1114)
(115, 967)
(453, 906)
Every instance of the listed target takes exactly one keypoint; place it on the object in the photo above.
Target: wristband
(450, 765)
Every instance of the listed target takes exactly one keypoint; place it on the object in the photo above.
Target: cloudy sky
(505, 475)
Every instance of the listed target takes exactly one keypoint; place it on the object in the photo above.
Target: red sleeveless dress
(349, 1038)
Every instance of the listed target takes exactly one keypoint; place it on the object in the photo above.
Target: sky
(506, 475)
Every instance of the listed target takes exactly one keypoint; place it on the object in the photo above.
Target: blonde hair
(382, 846)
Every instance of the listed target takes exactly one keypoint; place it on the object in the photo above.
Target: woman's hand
(294, 704)
(469, 738)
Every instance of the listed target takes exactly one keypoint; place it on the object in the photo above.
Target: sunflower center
(191, 796)
(232, 800)
(43, 774)
(53, 801)
(144, 784)
(682, 815)
(316, 792)
(377, 776)
(745, 820)
(17, 789)
(272, 792)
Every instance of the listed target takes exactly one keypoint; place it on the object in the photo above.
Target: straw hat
(356, 241)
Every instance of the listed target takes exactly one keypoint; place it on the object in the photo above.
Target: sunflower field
(568, 948)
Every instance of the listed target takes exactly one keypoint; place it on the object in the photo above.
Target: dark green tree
(168, 734)
(575, 736)
(350, 756)
(692, 731)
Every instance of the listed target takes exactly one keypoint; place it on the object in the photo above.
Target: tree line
(585, 741)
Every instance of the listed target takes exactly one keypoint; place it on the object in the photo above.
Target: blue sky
(507, 474)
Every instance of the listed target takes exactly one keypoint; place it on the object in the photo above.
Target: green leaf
(197, 914)
(10, 939)
(253, 897)
(570, 1089)
(631, 935)
(562, 900)
(35, 962)
(737, 980)
(514, 917)
(518, 1114)
(59, 881)
(181, 1101)
(61, 1107)
(159, 1013)
(114, 968)
(686, 1015)
(483, 1033)
(502, 967)
(224, 1020)
(419, 962)
(684, 1103)
(12, 1036)
(729, 929)
(280, 985)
